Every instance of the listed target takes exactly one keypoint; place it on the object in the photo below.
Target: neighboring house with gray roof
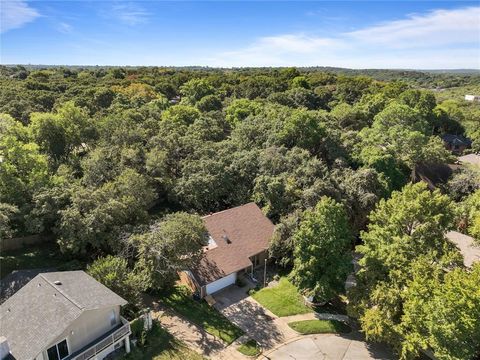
(63, 315)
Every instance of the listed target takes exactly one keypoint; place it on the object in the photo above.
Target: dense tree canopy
(321, 250)
(117, 164)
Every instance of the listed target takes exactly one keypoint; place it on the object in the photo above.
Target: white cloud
(64, 28)
(434, 28)
(15, 14)
(129, 13)
(441, 38)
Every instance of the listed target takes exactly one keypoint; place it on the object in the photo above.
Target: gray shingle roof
(41, 310)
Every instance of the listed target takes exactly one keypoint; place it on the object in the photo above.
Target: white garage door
(221, 283)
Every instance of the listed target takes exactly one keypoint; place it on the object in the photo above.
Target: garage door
(221, 283)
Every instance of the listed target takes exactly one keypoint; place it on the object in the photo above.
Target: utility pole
(265, 274)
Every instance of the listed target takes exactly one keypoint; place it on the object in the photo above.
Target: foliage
(170, 245)
(321, 250)
(305, 327)
(95, 218)
(468, 215)
(43, 256)
(406, 230)
(443, 314)
(7, 212)
(114, 273)
(249, 348)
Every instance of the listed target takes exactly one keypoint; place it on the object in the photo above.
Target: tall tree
(322, 250)
(408, 226)
(170, 245)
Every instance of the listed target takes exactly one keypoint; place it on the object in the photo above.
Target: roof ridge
(229, 209)
(61, 292)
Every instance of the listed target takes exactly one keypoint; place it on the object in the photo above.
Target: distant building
(175, 100)
(472, 98)
(456, 143)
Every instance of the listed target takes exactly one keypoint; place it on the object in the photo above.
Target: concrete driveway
(256, 321)
(327, 347)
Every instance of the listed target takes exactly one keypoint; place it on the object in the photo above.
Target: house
(466, 245)
(238, 242)
(472, 98)
(434, 175)
(63, 316)
(456, 143)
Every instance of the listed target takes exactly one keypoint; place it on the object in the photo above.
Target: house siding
(89, 326)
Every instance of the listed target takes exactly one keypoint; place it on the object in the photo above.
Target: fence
(20, 242)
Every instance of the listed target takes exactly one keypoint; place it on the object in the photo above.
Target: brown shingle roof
(239, 233)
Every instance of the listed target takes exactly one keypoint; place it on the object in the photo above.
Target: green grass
(250, 348)
(161, 345)
(283, 299)
(200, 313)
(319, 326)
(46, 255)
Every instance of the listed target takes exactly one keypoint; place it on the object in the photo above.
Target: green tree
(322, 250)
(181, 114)
(114, 273)
(172, 244)
(194, 90)
(58, 134)
(240, 109)
(442, 312)
(409, 226)
(96, 217)
(7, 212)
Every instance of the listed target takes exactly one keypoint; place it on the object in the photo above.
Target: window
(113, 318)
(58, 351)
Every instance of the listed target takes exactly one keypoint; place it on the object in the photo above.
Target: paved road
(327, 347)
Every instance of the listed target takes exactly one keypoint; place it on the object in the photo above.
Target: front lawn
(46, 255)
(200, 313)
(161, 345)
(283, 299)
(250, 348)
(319, 326)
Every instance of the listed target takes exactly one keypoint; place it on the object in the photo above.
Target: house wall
(186, 278)
(88, 327)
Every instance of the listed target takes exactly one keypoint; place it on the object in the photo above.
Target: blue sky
(356, 34)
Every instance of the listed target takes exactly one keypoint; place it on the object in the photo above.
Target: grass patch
(161, 345)
(283, 299)
(200, 313)
(250, 348)
(46, 255)
(319, 326)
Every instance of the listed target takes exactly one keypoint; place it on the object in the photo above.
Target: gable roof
(456, 140)
(40, 311)
(466, 245)
(238, 233)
